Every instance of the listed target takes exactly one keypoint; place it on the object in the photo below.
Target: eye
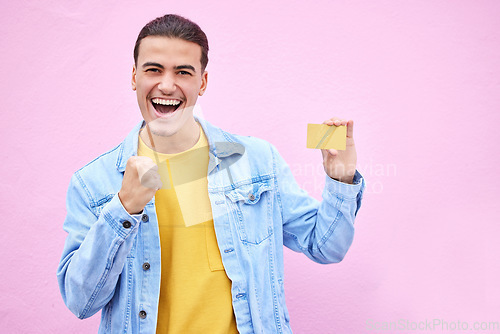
(184, 73)
(154, 70)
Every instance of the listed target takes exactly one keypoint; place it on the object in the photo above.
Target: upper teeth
(166, 102)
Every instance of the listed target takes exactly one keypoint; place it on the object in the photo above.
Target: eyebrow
(185, 67)
(180, 67)
(152, 64)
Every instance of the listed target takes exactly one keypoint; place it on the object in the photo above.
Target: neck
(176, 143)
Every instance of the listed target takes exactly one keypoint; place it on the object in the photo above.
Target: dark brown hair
(175, 26)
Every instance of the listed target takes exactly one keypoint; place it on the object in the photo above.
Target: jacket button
(143, 314)
(126, 224)
(145, 218)
(146, 266)
(251, 196)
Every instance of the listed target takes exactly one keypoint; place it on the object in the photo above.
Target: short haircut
(175, 26)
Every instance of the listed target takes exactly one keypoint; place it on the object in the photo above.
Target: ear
(134, 73)
(204, 81)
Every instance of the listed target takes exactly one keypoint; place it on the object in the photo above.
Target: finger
(330, 121)
(332, 152)
(148, 183)
(145, 165)
(155, 182)
(350, 128)
(150, 179)
(340, 122)
(336, 121)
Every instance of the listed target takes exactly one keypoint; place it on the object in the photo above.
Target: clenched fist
(140, 183)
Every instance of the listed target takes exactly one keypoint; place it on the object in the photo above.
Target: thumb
(350, 128)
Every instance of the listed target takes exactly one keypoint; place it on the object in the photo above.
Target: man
(181, 227)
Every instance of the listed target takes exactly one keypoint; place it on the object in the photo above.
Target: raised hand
(341, 165)
(140, 183)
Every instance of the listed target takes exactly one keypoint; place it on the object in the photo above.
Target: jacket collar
(221, 145)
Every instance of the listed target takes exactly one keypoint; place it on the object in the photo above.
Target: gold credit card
(322, 136)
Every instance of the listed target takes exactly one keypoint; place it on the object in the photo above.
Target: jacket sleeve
(95, 250)
(324, 230)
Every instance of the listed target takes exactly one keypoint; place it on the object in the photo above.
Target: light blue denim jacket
(112, 260)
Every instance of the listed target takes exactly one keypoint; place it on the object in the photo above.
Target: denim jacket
(111, 260)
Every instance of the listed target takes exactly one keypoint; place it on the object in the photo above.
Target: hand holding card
(335, 139)
(323, 136)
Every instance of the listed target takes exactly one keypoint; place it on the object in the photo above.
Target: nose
(167, 84)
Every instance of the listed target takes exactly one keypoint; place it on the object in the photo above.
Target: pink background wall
(421, 79)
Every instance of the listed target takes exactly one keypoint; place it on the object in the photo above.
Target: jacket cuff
(345, 190)
(119, 219)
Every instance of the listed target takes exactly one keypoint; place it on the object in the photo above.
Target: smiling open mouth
(164, 107)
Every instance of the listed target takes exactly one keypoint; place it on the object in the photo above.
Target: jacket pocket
(251, 207)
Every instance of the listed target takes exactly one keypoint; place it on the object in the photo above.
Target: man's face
(168, 81)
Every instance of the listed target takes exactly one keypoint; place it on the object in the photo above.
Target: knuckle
(131, 161)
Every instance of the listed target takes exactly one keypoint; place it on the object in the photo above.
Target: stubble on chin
(158, 130)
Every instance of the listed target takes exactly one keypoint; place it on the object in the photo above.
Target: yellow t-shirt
(195, 292)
